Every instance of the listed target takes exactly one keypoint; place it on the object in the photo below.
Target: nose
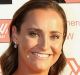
(45, 43)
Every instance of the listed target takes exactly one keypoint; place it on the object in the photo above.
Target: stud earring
(15, 45)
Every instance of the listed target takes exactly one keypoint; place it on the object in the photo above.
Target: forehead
(44, 18)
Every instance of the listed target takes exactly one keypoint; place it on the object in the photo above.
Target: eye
(33, 34)
(54, 37)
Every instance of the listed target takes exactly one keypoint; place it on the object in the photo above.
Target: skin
(39, 42)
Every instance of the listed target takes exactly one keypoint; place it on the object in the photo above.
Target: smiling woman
(37, 34)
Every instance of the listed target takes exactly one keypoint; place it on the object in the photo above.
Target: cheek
(27, 43)
(56, 53)
(57, 48)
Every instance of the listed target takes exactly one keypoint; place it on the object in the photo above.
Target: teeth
(41, 55)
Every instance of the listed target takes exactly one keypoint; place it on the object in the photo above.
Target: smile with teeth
(41, 55)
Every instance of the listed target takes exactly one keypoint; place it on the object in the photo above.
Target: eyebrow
(39, 30)
(36, 29)
(56, 32)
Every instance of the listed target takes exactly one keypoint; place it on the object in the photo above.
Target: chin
(41, 67)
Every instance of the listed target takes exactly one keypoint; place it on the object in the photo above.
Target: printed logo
(4, 30)
(75, 67)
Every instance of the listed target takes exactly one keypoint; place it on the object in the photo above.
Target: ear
(14, 35)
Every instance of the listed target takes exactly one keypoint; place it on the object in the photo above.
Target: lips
(41, 55)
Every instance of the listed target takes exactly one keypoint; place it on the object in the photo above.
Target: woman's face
(40, 39)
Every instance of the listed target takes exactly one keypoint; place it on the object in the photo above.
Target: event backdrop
(72, 43)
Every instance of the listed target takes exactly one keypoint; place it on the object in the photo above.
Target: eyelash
(55, 37)
(33, 34)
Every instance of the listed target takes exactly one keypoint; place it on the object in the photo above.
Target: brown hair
(9, 60)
